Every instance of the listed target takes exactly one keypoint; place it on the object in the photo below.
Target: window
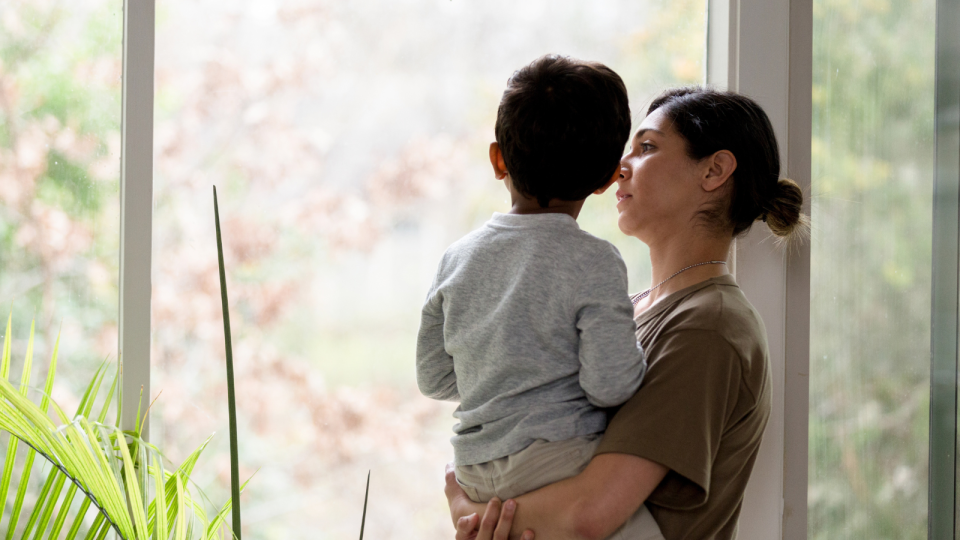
(60, 68)
(349, 144)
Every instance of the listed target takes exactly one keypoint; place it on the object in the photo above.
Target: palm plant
(121, 479)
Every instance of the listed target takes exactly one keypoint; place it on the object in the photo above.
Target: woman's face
(659, 186)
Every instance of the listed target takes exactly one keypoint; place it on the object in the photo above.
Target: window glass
(60, 93)
(873, 90)
(348, 142)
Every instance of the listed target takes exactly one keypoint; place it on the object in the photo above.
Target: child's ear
(613, 179)
(496, 159)
(720, 167)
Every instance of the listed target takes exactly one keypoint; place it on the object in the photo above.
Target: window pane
(60, 93)
(870, 330)
(348, 142)
(60, 66)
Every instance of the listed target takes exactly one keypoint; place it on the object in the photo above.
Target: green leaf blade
(231, 394)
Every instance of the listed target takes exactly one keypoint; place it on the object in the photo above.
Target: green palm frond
(108, 480)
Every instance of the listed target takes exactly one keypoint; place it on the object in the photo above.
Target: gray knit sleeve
(611, 361)
(435, 375)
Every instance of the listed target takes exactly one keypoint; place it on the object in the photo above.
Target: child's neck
(526, 205)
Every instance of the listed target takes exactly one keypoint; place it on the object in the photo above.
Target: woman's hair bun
(783, 211)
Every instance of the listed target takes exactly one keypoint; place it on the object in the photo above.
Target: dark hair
(562, 125)
(712, 120)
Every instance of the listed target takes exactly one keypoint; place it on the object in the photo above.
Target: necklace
(640, 296)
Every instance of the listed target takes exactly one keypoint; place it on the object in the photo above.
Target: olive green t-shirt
(701, 409)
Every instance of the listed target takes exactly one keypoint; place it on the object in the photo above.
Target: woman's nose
(624, 172)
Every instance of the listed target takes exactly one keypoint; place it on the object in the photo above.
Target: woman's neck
(676, 254)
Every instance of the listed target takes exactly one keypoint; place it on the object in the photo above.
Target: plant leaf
(181, 530)
(231, 394)
(134, 494)
(106, 404)
(221, 518)
(24, 382)
(78, 520)
(21, 492)
(41, 501)
(160, 530)
(64, 510)
(89, 395)
(98, 523)
(7, 339)
(27, 362)
(44, 521)
(363, 520)
(5, 481)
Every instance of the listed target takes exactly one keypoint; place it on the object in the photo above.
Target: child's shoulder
(598, 250)
(563, 245)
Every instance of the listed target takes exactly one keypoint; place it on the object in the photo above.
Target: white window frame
(762, 48)
(136, 206)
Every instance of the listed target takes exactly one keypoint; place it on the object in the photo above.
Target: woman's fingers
(489, 521)
(495, 524)
(505, 521)
(467, 527)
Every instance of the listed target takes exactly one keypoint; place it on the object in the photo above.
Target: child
(528, 323)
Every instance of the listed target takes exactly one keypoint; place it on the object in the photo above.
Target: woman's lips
(621, 196)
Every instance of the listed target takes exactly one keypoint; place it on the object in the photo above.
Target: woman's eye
(645, 147)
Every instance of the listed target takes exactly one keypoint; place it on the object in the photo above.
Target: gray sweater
(529, 326)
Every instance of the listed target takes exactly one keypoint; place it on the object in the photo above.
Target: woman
(703, 167)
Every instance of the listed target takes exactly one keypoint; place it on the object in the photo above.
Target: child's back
(529, 326)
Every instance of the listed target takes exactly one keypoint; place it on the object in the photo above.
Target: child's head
(561, 128)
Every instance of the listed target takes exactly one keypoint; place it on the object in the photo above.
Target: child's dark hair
(561, 127)
(712, 120)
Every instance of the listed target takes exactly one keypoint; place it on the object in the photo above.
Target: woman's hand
(460, 504)
(495, 525)
(497, 519)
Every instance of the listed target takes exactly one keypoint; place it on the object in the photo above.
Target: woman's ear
(613, 179)
(720, 167)
(496, 159)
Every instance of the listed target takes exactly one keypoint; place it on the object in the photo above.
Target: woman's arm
(589, 506)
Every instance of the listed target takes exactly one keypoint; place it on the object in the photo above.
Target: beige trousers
(540, 464)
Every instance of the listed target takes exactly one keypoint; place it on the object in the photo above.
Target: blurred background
(348, 142)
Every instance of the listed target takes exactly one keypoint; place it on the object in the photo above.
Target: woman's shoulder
(716, 305)
(714, 315)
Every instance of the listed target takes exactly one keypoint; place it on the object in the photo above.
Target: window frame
(764, 48)
(136, 207)
(942, 517)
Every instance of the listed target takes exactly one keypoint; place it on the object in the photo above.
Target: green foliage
(366, 496)
(872, 175)
(117, 473)
(231, 387)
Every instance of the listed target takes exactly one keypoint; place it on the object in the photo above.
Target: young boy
(528, 323)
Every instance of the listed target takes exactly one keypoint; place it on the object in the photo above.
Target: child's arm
(435, 375)
(611, 361)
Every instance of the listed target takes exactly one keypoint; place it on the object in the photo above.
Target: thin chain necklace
(640, 296)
